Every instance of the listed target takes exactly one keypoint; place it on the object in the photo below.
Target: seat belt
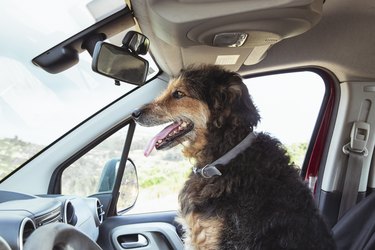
(357, 152)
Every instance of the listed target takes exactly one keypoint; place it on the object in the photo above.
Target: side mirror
(128, 192)
(129, 188)
(119, 63)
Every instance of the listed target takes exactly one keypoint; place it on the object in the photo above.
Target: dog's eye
(178, 94)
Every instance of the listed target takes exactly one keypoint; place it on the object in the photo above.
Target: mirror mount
(66, 54)
(136, 42)
(89, 43)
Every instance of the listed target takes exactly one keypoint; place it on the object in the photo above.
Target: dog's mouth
(169, 136)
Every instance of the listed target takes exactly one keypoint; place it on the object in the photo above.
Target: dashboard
(21, 214)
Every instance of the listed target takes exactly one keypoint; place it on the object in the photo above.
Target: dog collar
(211, 170)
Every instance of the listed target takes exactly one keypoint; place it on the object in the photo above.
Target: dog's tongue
(161, 135)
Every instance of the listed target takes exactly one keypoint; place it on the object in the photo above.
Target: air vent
(70, 216)
(52, 216)
(96, 208)
(27, 227)
(100, 212)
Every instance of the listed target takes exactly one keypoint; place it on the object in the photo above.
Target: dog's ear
(232, 101)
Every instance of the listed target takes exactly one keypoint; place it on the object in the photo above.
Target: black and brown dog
(254, 200)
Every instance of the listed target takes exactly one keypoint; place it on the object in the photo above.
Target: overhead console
(187, 29)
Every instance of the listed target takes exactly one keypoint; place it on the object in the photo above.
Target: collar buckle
(210, 170)
(207, 171)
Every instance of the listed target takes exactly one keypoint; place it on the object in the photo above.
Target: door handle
(132, 241)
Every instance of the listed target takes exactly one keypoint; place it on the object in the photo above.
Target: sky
(288, 104)
(34, 105)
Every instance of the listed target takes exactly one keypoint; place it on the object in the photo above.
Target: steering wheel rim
(59, 236)
(3, 244)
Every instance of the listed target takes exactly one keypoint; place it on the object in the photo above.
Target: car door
(102, 172)
(92, 161)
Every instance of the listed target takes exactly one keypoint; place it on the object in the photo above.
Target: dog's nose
(136, 113)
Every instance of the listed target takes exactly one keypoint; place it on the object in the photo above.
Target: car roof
(335, 35)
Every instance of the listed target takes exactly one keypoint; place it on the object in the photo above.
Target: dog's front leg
(201, 233)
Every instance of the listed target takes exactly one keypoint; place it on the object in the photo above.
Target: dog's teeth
(159, 141)
(183, 125)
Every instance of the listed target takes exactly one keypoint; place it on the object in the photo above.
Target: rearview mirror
(119, 63)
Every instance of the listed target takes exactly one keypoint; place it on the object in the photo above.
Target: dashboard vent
(52, 216)
(27, 227)
(100, 212)
(96, 209)
(70, 216)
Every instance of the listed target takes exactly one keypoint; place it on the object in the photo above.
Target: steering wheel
(3, 244)
(59, 236)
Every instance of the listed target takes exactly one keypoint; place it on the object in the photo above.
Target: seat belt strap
(357, 151)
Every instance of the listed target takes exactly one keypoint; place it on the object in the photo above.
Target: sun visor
(252, 26)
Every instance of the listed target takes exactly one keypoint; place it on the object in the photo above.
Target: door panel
(160, 230)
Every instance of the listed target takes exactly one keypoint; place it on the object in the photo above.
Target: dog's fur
(260, 201)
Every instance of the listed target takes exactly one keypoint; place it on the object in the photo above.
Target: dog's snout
(136, 113)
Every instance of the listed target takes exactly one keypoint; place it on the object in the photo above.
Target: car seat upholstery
(355, 230)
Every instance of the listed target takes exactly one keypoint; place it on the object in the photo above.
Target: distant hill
(14, 152)
(161, 175)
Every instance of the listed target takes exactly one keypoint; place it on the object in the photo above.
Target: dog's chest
(201, 233)
(202, 230)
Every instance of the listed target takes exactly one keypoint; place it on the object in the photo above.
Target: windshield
(36, 107)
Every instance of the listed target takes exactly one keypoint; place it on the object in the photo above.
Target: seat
(355, 230)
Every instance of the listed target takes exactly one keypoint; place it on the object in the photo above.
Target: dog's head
(199, 101)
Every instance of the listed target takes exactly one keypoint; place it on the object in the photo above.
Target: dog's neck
(218, 142)
(211, 170)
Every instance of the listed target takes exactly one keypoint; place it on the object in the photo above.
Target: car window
(160, 175)
(289, 104)
(84, 177)
(37, 107)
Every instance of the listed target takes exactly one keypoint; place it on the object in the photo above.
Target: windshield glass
(36, 107)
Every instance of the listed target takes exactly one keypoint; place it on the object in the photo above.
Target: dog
(253, 199)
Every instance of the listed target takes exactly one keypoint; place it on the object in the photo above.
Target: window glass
(87, 175)
(160, 176)
(288, 103)
(37, 107)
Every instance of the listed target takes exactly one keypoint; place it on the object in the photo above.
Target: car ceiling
(342, 42)
(337, 35)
